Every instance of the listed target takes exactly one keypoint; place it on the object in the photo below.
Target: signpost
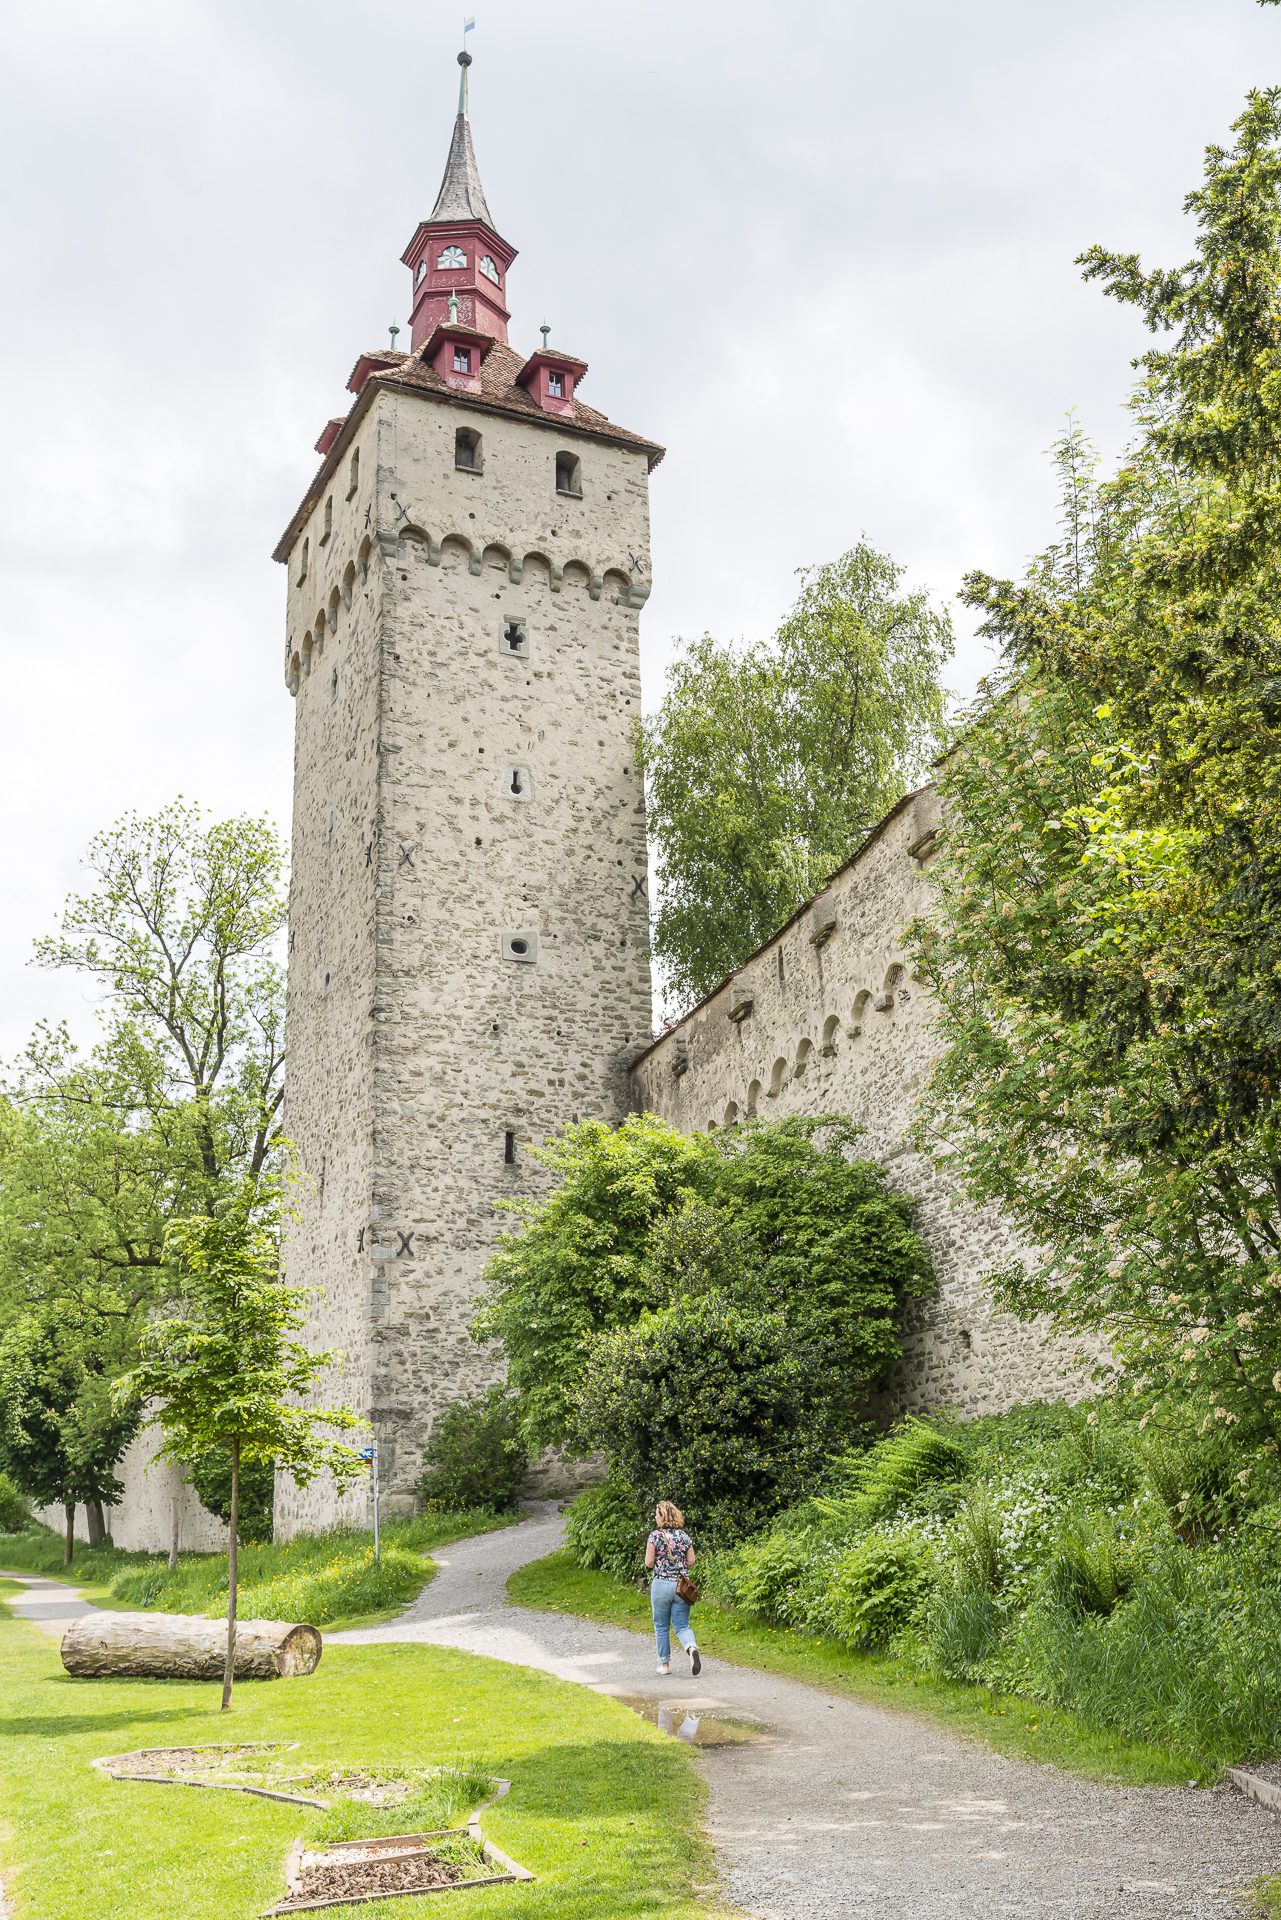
(371, 1454)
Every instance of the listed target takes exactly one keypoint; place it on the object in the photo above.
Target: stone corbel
(680, 1056)
(558, 574)
(823, 917)
(474, 565)
(388, 545)
(433, 553)
(741, 997)
(596, 585)
(515, 571)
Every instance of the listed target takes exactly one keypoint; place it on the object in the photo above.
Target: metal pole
(377, 1551)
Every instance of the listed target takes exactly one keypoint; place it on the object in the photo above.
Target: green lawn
(1012, 1725)
(326, 1578)
(603, 1808)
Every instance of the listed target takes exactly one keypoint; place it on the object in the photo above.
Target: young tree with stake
(225, 1368)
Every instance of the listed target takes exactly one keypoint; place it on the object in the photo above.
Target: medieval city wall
(141, 1520)
(828, 1018)
(416, 1042)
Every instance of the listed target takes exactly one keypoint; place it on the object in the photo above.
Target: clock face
(452, 260)
(488, 268)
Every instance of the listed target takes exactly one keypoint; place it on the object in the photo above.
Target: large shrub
(476, 1456)
(607, 1529)
(781, 1219)
(718, 1408)
(15, 1512)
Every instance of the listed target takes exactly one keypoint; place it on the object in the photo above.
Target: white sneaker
(695, 1664)
(664, 1666)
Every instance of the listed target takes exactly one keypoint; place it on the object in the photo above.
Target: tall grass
(1061, 1556)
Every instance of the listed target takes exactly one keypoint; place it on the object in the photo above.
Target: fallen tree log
(185, 1646)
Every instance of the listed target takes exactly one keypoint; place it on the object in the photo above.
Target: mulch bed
(408, 1873)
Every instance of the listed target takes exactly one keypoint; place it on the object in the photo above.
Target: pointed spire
(461, 195)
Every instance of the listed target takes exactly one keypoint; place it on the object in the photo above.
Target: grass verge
(329, 1579)
(603, 1808)
(1023, 1728)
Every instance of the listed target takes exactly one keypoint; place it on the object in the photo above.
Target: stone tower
(468, 951)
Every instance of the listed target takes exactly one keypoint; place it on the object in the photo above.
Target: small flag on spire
(469, 21)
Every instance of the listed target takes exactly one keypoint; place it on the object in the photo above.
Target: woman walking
(669, 1554)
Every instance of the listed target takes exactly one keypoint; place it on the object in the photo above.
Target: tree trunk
(69, 1507)
(173, 1533)
(97, 1522)
(187, 1647)
(230, 1668)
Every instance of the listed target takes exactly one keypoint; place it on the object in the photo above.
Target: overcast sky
(824, 254)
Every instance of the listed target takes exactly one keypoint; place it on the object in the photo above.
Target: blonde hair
(666, 1515)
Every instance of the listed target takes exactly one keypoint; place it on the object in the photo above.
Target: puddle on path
(690, 1723)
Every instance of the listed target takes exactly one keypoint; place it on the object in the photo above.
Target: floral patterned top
(670, 1548)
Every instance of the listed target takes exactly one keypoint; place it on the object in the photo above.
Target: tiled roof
(499, 393)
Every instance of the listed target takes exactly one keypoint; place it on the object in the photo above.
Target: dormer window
(488, 268)
(462, 359)
(452, 260)
(556, 385)
(418, 277)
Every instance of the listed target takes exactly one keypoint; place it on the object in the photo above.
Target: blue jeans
(671, 1615)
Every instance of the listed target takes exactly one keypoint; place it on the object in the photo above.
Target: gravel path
(844, 1810)
(50, 1605)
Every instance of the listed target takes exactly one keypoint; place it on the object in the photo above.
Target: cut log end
(185, 1646)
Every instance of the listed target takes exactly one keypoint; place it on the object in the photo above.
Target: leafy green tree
(779, 1219)
(225, 1371)
(179, 932)
(61, 1431)
(765, 766)
(1105, 949)
(579, 1262)
(98, 1153)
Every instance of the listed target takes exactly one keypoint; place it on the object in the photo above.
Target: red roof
(500, 392)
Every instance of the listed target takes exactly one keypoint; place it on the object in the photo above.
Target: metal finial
(393, 330)
(464, 61)
(544, 330)
(453, 309)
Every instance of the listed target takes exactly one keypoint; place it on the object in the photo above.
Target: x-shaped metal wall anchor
(407, 854)
(637, 560)
(402, 510)
(404, 1239)
(360, 1241)
(369, 854)
(638, 884)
